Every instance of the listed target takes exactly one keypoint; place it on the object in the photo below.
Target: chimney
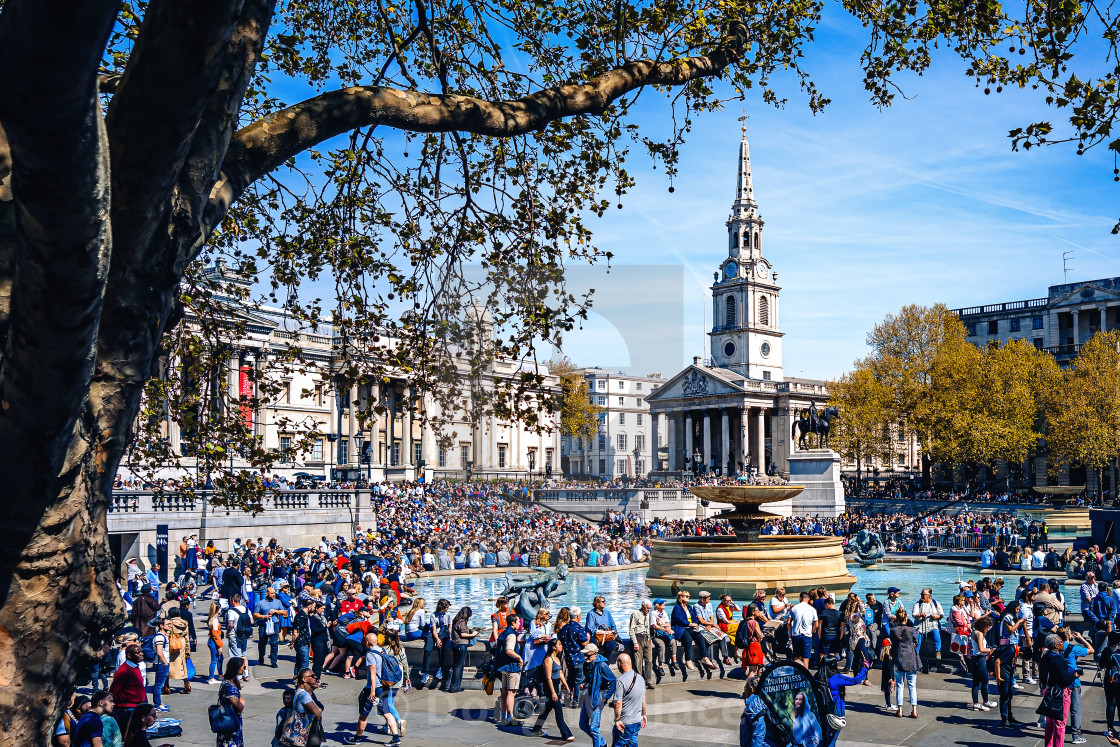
(696, 360)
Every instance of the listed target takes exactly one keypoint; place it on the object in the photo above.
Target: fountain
(741, 563)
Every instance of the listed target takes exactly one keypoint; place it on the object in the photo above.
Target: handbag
(315, 736)
(295, 729)
(222, 718)
(1053, 703)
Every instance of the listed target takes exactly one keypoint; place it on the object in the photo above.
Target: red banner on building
(245, 391)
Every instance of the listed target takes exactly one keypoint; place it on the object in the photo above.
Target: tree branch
(167, 84)
(268, 143)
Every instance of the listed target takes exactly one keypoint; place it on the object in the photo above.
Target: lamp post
(637, 455)
(532, 466)
(332, 437)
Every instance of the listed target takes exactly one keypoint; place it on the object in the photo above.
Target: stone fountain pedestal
(742, 563)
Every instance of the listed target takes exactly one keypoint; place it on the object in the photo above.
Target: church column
(707, 440)
(760, 441)
(1104, 318)
(672, 423)
(688, 436)
(744, 435)
(725, 442)
(1076, 328)
(654, 443)
(406, 429)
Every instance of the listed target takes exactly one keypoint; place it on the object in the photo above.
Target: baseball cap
(658, 601)
(894, 590)
(968, 593)
(590, 648)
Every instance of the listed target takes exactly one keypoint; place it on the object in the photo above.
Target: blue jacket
(682, 618)
(594, 621)
(1102, 609)
(600, 681)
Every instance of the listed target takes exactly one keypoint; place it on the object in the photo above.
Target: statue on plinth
(819, 425)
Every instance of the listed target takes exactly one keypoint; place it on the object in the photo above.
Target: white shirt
(231, 618)
(781, 614)
(639, 553)
(475, 559)
(428, 559)
(419, 618)
(1039, 558)
(802, 617)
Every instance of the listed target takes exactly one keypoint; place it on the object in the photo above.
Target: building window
(639, 416)
(600, 385)
(1038, 343)
(620, 467)
(1013, 325)
(621, 384)
(501, 456)
(622, 442)
(286, 447)
(442, 456)
(1036, 322)
(637, 467)
(602, 466)
(417, 452)
(464, 455)
(730, 314)
(766, 376)
(286, 393)
(622, 418)
(317, 450)
(547, 457)
(993, 327)
(638, 386)
(970, 329)
(640, 442)
(343, 451)
(621, 401)
(602, 442)
(764, 311)
(395, 456)
(602, 401)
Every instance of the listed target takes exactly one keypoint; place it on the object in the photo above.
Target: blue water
(625, 589)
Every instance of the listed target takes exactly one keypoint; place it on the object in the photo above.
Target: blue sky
(865, 210)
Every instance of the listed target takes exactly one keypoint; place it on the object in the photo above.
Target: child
(289, 697)
(886, 683)
(752, 724)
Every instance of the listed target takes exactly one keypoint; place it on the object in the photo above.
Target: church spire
(744, 192)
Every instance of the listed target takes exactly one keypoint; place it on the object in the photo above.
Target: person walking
(178, 637)
(239, 627)
(1110, 668)
(1056, 674)
(1074, 647)
(304, 701)
(128, 688)
(642, 640)
(390, 686)
(508, 663)
(214, 641)
(574, 638)
(230, 694)
(600, 686)
(978, 653)
(268, 615)
(555, 685)
(162, 664)
(904, 648)
(438, 651)
(629, 703)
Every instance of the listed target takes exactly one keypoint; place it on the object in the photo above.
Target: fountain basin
(728, 565)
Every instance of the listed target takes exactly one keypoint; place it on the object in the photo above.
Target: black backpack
(1111, 667)
(741, 635)
(244, 625)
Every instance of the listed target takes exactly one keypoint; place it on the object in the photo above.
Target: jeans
(272, 641)
(1075, 710)
(455, 683)
(556, 707)
(386, 707)
(160, 681)
(320, 647)
(589, 721)
(442, 659)
(576, 670)
(1111, 699)
(910, 681)
(684, 646)
(1005, 693)
(978, 665)
(215, 659)
(414, 635)
(626, 738)
(303, 658)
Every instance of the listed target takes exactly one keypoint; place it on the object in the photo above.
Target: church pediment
(1086, 294)
(694, 381)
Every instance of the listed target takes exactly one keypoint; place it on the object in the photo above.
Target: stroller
(531, 695)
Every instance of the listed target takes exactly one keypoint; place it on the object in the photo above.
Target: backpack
(244, 625)
(1112, 668)
(148, 647)
(389, 671)
(174, 642)
(741, 635)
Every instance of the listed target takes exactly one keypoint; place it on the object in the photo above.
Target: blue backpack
(148, 647)
(390, 672)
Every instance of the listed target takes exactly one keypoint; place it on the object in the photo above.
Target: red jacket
(128, 687)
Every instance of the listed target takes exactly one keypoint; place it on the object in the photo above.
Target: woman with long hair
(555, 684)
(214, 641)
(437, 645)
(136, 733)
(388, 693)
(563, 617)
(230, 694)
(462, 636)
(415, 620)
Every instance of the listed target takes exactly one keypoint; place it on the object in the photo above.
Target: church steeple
(744, 226)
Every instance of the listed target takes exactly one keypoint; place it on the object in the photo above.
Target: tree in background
(579, 415)
(863, 430)
(905, 350)
(1083, 414)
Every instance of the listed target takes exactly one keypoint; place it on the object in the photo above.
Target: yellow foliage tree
(1083, 415)
(863, 430)
(579, 416)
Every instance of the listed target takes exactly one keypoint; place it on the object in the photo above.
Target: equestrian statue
(820, 425)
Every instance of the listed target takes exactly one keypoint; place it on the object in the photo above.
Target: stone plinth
(729, 565)
(819, 471)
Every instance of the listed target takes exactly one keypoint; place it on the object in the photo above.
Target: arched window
(764, 311)
(730, 317)
(757, 239)
(747, 240)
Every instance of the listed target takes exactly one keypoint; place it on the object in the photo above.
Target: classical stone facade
(624, 446)
(392, 445)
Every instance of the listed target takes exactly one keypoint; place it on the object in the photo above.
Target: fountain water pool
(624, 589)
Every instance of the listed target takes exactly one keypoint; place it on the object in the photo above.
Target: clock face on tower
(730, 270)
(760, 270)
